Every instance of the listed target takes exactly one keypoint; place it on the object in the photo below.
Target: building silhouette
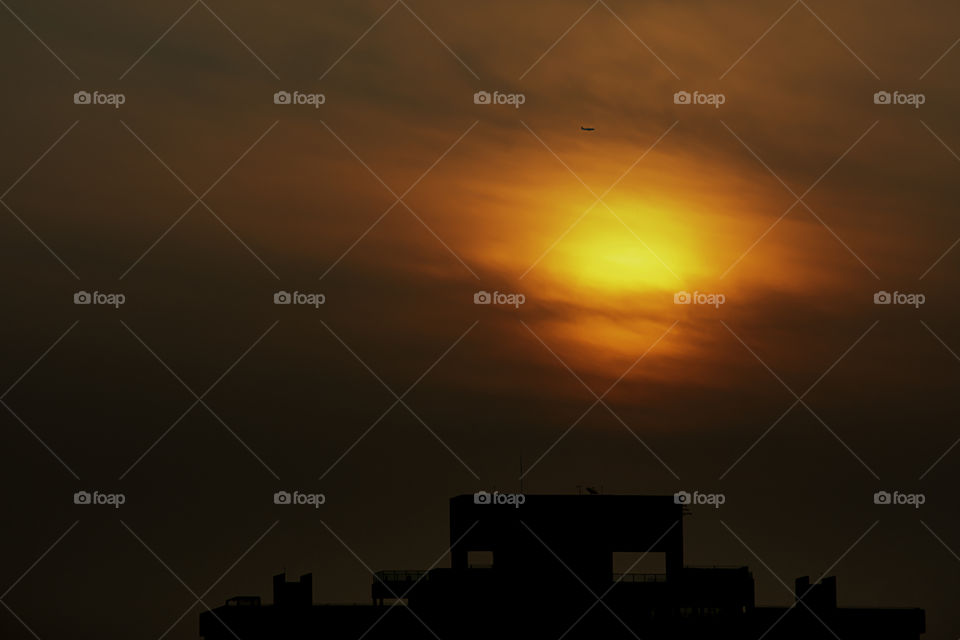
(544, 569)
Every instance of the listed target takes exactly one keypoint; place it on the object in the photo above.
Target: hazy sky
(797, 199)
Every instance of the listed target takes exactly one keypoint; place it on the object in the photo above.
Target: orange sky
(500, 199)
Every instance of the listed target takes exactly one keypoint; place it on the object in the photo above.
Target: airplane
(587, 128)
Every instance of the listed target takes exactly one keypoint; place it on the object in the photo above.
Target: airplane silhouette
(587, 128)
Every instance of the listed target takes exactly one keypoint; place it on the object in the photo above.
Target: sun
(614, 256)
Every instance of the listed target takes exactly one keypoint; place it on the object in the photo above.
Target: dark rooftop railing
(640, 577)
(401, 575)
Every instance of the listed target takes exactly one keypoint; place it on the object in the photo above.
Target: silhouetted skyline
(548, 572)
